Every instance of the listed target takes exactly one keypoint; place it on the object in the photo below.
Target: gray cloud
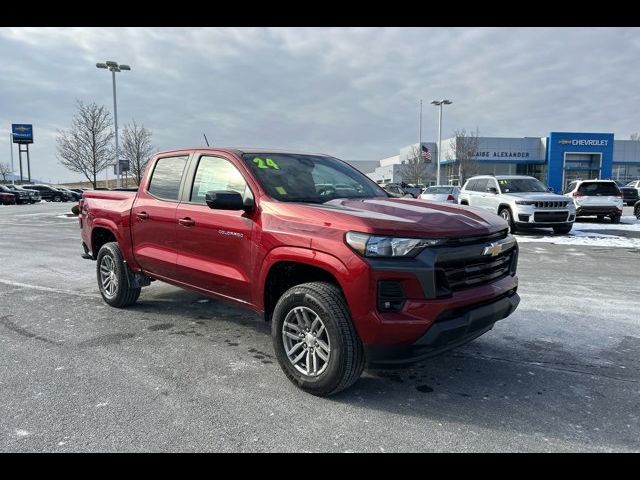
(352, 93)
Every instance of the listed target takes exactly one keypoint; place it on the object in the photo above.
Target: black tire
(630, 204)
(563, 229)
(347, 358)
(57, 198)
(615, 219)
(636, 211)
(464, 202)
(505, 213)
(123, 294)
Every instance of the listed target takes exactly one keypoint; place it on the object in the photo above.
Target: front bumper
(528, 216)
(450, 330)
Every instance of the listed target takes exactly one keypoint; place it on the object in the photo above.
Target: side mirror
(492, 190)
(227, 200)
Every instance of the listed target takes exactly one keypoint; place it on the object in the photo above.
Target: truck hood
(398, 216)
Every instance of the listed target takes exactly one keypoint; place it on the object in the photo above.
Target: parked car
(34, 195)
(630, 192)
(49, 193)
(396, 191)
(7, 198)
(20, 196)
(524, 202)
(596, 198)
(441, 193)
(74, 196)
(345, 280)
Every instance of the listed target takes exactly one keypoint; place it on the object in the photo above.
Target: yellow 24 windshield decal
(266, 163)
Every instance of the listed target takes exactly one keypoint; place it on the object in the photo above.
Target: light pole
(114, 67)
(13, 177)
(439, 103)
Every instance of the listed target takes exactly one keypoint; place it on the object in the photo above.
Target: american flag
(426, 153)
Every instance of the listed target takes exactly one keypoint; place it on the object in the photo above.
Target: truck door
(215, 246)
(153, 217)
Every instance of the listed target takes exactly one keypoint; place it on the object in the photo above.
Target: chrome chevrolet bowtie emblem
(493, 249)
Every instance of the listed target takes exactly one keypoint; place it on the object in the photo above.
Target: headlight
(379, 246)
(524, 202)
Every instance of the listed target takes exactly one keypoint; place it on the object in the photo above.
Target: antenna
(205, 139)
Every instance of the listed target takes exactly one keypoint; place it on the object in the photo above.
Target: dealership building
(556, 160)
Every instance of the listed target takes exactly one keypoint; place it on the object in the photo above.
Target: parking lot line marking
(48, 289)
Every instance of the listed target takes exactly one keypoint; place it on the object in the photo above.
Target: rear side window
(481, 184)
(166, 177)
(599, 188)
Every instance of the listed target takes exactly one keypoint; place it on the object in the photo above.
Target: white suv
(524, 202)
(601, 198)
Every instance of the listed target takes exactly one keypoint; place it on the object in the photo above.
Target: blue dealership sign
(22, 133)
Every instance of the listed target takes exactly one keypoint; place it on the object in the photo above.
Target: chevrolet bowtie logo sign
(22, 129)
(493, 249)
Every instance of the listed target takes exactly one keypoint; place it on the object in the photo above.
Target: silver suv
(524, 202)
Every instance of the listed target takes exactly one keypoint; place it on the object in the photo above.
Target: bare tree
(5, 169)
(86, 147)
(414, 170)
(465, 147)
(136, 148)
(635, 137)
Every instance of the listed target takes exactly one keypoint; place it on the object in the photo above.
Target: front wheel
(112, 277)
(57, 198)
(506, 214)
(563, 229)
(314, 339)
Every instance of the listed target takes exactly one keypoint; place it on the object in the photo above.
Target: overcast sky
(352, 93)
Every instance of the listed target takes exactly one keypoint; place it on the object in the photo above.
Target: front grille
(477, 239)
(474, 271)
(550, 217)
(554, 204)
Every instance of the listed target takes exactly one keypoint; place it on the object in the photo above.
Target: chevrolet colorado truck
(348, 276)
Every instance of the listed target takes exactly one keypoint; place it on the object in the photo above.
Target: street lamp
(439, 103)
(114, 67)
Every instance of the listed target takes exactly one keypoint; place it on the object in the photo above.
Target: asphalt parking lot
(181, 372)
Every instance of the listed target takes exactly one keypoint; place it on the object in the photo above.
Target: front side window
(481, 185)
(309, 178)
(216, 173)
(166, 177)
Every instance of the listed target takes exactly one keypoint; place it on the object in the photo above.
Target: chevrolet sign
(584, 143)
(22, 133)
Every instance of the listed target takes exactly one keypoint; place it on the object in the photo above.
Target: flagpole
(420, 130)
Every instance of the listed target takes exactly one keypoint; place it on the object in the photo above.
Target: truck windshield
(309, 178)
(516, 185)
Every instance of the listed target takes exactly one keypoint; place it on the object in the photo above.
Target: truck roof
(241, 150)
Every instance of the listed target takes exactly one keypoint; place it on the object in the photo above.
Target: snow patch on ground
(590, 234)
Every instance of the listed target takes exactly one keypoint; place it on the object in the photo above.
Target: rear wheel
(636, 210)
(314, 339)
(615, 219)
(506, 214)
(563, 229)
(57, 198)
(112, 277)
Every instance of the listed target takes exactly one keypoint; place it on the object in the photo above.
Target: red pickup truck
(347, 275)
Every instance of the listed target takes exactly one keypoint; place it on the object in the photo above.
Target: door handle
(186, 222)
(142, 215)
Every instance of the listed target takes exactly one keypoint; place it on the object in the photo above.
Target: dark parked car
(33, 195)
(49, 193)
(19, 196)
(72, 194)
(7, 198)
